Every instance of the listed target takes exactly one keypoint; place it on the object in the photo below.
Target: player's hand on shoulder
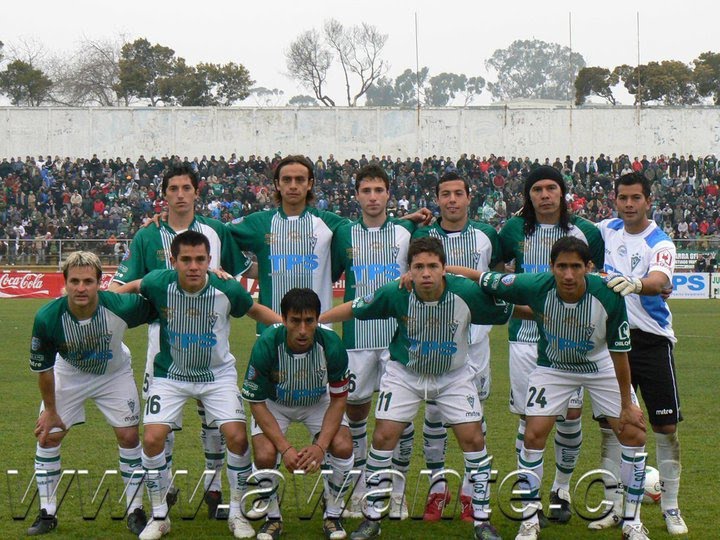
(405, 281)
(156, 219)
(623, 285)
(222, 274)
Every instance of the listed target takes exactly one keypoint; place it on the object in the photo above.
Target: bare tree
(308, 61)
(357, 49)
(90, 75)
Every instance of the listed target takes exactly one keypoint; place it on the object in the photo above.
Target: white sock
(358, 430)
(268, 480)
(667, 447)
(337, 484)
(157, 481)
(532, 460)
(632, 473)
(169, 447)
(213, 444)
(401, 458)
(568, 439)
(238, 471)
(610, 461)
(378, 460)
(434, 443)
(520, 438)
(132, 474)
(477, 475)
(47, 476)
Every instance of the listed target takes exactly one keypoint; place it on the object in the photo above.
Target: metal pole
(417, 68)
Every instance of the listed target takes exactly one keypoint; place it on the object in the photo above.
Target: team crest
(471, 400)
(634, 260)
(395, 252)
(131, 405)
(35, 344)
(454, 326)
(622, 251)
(251, 373)
(508, 279)
(127, 254)
(475, 258)
(377, 246)
(313, 240)
(213, 317)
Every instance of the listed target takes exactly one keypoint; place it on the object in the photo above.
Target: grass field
(92, 445)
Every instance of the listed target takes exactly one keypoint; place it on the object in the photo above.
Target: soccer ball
(652, 486)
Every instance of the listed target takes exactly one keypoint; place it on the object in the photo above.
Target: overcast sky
(454, 36)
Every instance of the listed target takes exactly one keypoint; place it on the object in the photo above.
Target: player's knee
(236, 440)
(357, 412)
(573, 414)
(665, 429)
(632, 436)
(128, 437)
(153, 441)
(341, 446)
(264, 453)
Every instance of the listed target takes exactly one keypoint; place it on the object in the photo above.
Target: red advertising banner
(27, 284)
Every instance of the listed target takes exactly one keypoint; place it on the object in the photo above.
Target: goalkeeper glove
(624, 285)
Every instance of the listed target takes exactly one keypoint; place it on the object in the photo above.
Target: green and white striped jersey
(574, 337)
(477, 246)
(432, 337)
(296, 380)
(195, 327)
(532, 255)
(150, 250)
(291, 251)
(370, 258)
(92, 345)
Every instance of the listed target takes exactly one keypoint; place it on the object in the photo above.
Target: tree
(534, 69)
(229, 82)
(90, 76)
(24, 84)
(308, 61)
(266, 97)
(436, 91)
(142, 66)
(707, 75)
(186, 86)
(303, 101)
(357, 50)
(595, 81)
(669, 82)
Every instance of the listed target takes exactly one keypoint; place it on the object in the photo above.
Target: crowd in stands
(47, 198)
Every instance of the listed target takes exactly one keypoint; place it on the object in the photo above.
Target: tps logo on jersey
(508, 280)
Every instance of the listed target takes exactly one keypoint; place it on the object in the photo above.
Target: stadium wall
(349, 132)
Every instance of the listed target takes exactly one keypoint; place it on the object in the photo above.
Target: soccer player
(78, 354)
(474, 245)
(527, 238)
(150, 250)
(640, 259)
(428, 362)
(372, 252)
(298, 372)
(194, 361)
(583, 341)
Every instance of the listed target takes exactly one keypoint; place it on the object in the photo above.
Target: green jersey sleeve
(43, 347)
(134, 264)
(232, 259)
(240, 299)
(134, 309)
(336, 357)
(594, 240)
(516, 288)
(258, 385)
(511, 238)
(484, 309)
(617, 329)
(249, 233)
(385, 303)
(341, 250)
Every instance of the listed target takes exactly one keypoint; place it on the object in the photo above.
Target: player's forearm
(264, 315)
(523, 312)
(654, 283)
(469, 273)
(269, 426)
(46, 383)
(622, 373)
(331, 421)
(340, 313)
(129, 287)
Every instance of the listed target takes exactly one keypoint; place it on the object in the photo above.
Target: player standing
(299, 373)
(78, 354)
(644, 257)
(583, 341)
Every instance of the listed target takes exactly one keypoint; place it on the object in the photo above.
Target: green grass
(92, 446)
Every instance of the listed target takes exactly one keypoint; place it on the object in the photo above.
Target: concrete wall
(347, 132)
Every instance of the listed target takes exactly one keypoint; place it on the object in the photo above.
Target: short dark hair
(426, 244)
(450, 177)
(371, 171)
(179, 169)
(570, 244)
(630, 179)
(189, 238)
(299, 300)
(289, 160)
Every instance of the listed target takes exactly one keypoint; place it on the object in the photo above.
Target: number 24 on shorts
(536, 397)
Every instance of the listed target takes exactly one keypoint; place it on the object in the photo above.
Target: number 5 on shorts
(384, 397)
(152, 405)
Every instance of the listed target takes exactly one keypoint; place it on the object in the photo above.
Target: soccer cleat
(485, 531)
(213, 499)
(155, 529)
(137, 520)
(398, 507)
(613, 519)
(367, 530)
(634, 532)
(559, 511)
(354, 508)
(240, 527)
(434, 506)
(466, 509)
(529, 530)
(333, 529)
(253, 514)
(544, 521)
(674, 522)
(171, 497)
(271, 530)
(43, 524)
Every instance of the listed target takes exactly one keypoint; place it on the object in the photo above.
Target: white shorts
(366, 367)
(166, 399)
(114, 394)
(479, 358)
(153, 347)
(523, 361)
(402, 390)
(549, 391)
(310, 416)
